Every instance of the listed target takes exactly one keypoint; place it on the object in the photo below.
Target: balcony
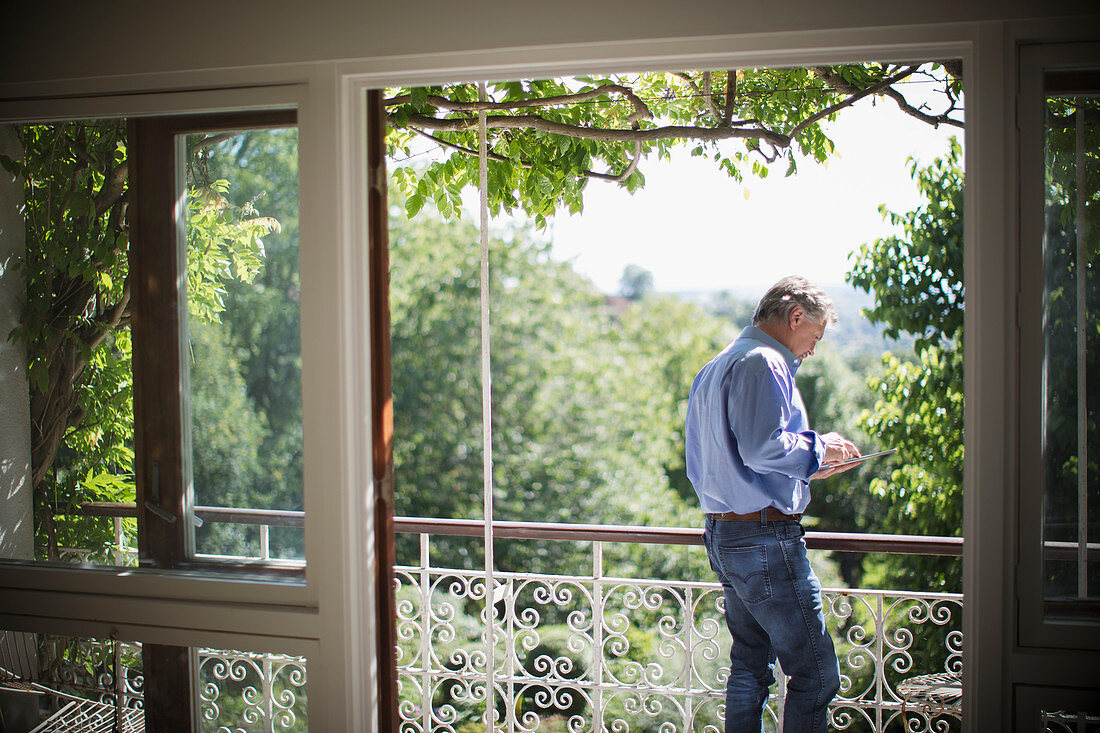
(592, 651)
(597, 652)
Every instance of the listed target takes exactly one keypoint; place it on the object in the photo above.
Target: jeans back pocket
(746, 570)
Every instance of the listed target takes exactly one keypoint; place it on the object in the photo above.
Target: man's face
(805, 333)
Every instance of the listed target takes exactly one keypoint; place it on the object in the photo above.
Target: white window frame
(206, 608)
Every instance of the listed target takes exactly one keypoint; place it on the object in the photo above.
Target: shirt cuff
(818, 454)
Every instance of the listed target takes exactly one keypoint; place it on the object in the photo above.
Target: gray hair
(792, 291)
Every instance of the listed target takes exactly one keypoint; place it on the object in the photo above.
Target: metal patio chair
(19, 672)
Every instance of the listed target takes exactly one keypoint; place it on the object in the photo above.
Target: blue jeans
(773, 609)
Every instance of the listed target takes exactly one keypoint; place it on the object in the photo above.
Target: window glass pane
(1071, 526)
(243, 352)
(66, 390)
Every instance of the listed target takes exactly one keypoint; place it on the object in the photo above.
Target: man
(751, 456)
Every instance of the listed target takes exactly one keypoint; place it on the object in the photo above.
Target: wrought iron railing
(239, 692)
(594, 651)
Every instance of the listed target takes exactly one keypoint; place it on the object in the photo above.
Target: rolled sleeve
(818, 453)
(768, 430)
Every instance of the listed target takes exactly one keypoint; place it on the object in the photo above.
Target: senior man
(750, 456)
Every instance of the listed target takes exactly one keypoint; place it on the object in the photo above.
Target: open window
(217, 385)
(160, 327)
(160, 334)
(1059, 580)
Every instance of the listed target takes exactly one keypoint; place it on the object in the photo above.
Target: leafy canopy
(548, 138)
(917, 282)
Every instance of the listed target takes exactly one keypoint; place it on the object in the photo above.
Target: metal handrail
(839, 541)
(835, 541)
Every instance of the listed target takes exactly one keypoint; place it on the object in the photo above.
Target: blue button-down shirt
(748, 440)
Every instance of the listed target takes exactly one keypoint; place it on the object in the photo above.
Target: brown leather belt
(774, 515)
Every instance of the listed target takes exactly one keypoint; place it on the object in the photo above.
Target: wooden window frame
(1039, 624)
(157, 267)
(381, 412)
(161, 443)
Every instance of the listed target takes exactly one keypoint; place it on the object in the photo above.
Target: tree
(636, 282)
(260, 328)
(675, 337)
(548, 138)
(917, 283)
(75, 317)
(583, 409)
(228, 431)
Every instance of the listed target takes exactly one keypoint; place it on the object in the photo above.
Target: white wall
(48, 39)
(16, 527)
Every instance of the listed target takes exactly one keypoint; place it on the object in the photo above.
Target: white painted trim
(714, 51)
(336, 400)
(988, 382)
(151, 634)
(160, 618)
(727, 51)
(243, 99)
(199, 585)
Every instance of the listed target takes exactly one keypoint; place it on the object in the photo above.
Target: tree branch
(853, 96)
(731, 96)
(209, 140)
(496, 156)
(633, 163)
(830, 77)
(708, 95)
(94, 333)
(954, 67)
(601, 134)
(112, 188)
(934, 120)
(700, 92)
(641, 110)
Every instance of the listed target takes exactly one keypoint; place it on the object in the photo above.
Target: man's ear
(796, 316)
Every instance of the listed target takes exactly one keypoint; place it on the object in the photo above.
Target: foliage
(676, 338)
(586, 407)
(917, 281)
(228, 431)
(636, 282)
(917, 278)
(1070, 274)
(75, 317)
(252, 358)
(548, 138)
(835, 393)
(220, 248)
(76, 278)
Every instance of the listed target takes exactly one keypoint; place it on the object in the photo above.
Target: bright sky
(694, 229)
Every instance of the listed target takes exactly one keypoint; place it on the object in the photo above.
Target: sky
(697, 229)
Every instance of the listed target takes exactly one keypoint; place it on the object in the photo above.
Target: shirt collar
(756, 334)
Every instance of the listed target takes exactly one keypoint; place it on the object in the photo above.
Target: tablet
(861, 459)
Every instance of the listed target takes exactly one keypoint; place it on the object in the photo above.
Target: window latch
(154, 504)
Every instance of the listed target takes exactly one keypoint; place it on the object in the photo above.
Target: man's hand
(837, 449)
